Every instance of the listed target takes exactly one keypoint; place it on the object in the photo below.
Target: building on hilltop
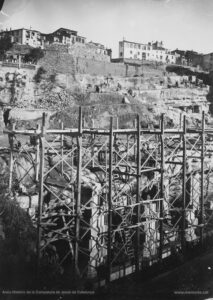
(63, 36)
(37, 39)
(151, 51)
(100, 49)
(188, 57)
(207, 62)
(60, 38)
(24, 36)
(180, 57)
(157, 45)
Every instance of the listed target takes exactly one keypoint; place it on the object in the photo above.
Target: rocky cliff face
(58, 84)
(16, 86)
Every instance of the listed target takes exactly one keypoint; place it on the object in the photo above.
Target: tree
(34, 55)
(5, 44)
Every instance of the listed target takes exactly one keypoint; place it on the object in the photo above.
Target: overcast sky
(183, 24)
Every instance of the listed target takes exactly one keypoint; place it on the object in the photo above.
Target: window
(196, 109)
(121, 53)
(130, 51)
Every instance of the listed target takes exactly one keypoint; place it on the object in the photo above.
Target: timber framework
(118, 199)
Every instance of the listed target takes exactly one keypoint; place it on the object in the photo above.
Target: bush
(5, 44)
(34, 55)
(41, 71)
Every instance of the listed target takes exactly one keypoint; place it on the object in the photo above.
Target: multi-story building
(63, 36)
(180, 57)
(100, 49)
(35, 38)
(24, 36)
(151, 51)
(188, 57)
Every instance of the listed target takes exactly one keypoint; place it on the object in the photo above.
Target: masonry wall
(88, 51)
(58, 60)
(77, 60)
(92, 67)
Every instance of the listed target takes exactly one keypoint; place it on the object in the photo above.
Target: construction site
(117, 200)
(112, 168)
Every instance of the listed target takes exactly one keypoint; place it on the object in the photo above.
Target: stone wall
(88, 51)
(16, 86)
(58, 62)
(84, 59)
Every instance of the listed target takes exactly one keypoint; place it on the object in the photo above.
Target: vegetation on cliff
(5, 44)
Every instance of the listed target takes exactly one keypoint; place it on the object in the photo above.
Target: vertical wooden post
(117, 149)
(117, 123)
(162, 187)
(138, 196)
(37, 153)
(181, 120)
(62, 149)
(202, 178)
(93, 152)
(135, 127)
(109, 254)
(11, 142)
(78, 199)
(127, 147)
(41, 192)
(183, 225)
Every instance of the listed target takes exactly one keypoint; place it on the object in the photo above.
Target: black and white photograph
(106, 149)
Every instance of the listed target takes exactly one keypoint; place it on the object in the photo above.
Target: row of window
(142, 47)
(137, 46)
(144, 55)
(80, 40)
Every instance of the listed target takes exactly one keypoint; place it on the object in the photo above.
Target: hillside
(62, 81)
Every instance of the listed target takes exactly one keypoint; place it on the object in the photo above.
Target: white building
(151, 51)
(24, 36)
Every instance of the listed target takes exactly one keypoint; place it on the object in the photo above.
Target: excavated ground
(195, 275)
(192, 280)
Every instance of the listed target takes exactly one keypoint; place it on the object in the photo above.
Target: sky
(182, 24)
